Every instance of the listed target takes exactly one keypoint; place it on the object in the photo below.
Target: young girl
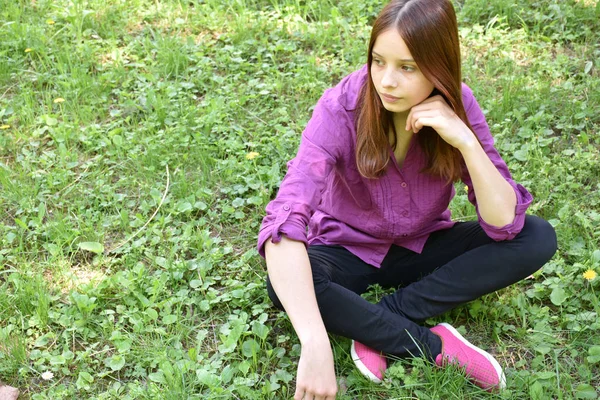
(372, 181)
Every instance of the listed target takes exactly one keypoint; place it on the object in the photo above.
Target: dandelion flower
(50, 22)
(466, 188)
(28, 50)
(47, 375)
(3, 127)
(59, 100)
(590, 274)
(252, 155)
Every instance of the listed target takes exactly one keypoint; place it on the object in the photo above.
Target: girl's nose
(389, 79)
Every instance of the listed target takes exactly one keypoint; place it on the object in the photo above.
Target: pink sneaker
(480, 367)
(369, 362)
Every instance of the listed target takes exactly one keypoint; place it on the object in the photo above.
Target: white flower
(47, 375)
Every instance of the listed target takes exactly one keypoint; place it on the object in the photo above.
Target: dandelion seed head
(47, 375)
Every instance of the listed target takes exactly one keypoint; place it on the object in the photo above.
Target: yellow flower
(466, 188)
(28, 50)
(252, 155)
(590, 274)
(50, 22)
(3, 127)
(59, 100)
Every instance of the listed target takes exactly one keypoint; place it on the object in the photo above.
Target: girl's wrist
(468, 144)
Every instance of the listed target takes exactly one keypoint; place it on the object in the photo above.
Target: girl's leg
(339, 277)
(462, 264)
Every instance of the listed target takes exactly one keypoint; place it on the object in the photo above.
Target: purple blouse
(324, 191)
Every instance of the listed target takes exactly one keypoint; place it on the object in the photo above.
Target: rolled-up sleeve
(524, 198)
(302, 187)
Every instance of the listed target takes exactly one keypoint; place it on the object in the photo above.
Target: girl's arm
(290, 274)
(497, 202)
(496, 199)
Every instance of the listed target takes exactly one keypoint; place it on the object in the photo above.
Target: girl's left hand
(437, 114)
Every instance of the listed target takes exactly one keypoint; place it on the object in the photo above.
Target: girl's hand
(437, 114)
(315, 379)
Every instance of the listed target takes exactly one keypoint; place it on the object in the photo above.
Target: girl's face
(396, 77)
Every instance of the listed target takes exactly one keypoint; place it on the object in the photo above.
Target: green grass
(168, 300)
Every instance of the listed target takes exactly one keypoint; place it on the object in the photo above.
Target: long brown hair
(430, 31)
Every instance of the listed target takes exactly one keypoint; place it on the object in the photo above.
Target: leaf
(585, 391)
(260, 330)
(157, 377)
(558, 296)
(230, 341)
(594, 355)
(207, 378)
(85, 376)
(43, 340)
(20, 223)
(238, 202)
(152, 314)
(57, 360)
(244, 367)
(588, 67)
(195, 283)
(200, 205)
(184, 206)
(596, 257)
(536, 391)
(48, 120)
(193, 354)
(545, 375)
(227, 374)
(169, 319)
(117, 140)
(94, 247)
(543, 349)
(521, 155)
(116, 362)
(84, 379)
(250, 348)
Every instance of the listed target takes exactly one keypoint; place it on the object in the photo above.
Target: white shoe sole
(488, 356)
(361, 367)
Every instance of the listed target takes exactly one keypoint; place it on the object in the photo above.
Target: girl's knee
(273, 295)
(541, 238)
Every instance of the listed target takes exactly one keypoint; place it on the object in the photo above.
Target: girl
(372, 181)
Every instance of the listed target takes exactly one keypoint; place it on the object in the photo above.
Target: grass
(129, 209)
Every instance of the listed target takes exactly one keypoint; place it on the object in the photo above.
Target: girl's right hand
(315, 379)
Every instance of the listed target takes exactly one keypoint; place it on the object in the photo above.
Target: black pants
(457, 265)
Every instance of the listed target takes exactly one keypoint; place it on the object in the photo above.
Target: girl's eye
(378, 62)
(408, 68)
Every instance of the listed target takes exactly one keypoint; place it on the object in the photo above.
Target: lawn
(140, 141)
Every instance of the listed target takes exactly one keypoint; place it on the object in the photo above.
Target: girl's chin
(395, 108)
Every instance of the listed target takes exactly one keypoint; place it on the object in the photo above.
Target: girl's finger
(425, 121)
(299, 394)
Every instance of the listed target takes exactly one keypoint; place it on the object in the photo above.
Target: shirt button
(403, 184)
(404, 234)
(405, 213)
(286, 207)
